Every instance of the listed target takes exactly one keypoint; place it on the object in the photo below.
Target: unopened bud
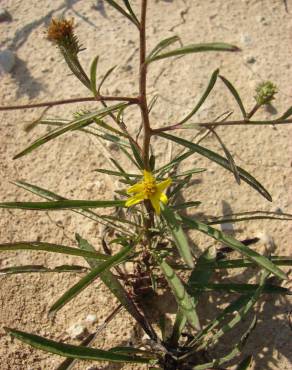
(265, 92)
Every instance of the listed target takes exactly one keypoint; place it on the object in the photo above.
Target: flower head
(61, 32)
(265, 92)
(148, 188)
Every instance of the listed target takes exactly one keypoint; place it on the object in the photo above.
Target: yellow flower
(149, 189)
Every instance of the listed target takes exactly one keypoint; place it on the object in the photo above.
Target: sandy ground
(262, 28)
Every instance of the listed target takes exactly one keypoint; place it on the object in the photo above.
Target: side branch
(70, 101)
(226, 123)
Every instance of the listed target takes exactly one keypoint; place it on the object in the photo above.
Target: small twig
(70, 101)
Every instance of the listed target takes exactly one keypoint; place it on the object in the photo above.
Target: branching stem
(131, 100)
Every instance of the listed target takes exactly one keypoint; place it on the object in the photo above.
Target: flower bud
(265, 92)
(60, 32)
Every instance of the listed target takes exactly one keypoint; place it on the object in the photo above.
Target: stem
(226, 123)
(142, 87)
(69, 101)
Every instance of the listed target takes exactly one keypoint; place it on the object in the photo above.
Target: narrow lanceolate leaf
(93, 75)
(114, 285)
(28, 269)
(235, 351)
(251, 215)
(89, 278)
(236, 288)
(182, 298)
(210, 86)
(228, 156)
(107, 74)
(195, 48)
(131, 16)
(63, 204)
(236, 245)
(238, 263)
(235, 94)
(68, 350)
(49, 195)
(128, 6)
(286, 115)
(241, 314)
(244, 175)
(73, 125)
(186, 205)
(234, 306)
(200, 275)
(54, 248)
(162, 45)
(178, 235)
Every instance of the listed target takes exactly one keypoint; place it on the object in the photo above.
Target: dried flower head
(61, 32)
(265, 92)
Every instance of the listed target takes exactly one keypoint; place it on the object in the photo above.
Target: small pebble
(7, 61)
(76, 331)
(250, 60)
(91, 318)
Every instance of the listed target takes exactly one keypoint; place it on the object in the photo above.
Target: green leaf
(68, 350)
(107, 74)
(229, 157)
(116, 173)
(235, 351)
(73, 125)
(245, 363)
(189, 172)
(186, 205)
(244, 175)
(127, 3)
(162, 45)
(236, 288)
(137, 155)
(210, 86)
(178, 235)
(230, 309)
(201, 275)
(130, 16)
(195, 48)
(114, 285)
(89, 278)
(27, 269)
(235, 94)
(236, 245)
(286, 115)
(251, 215)
(238, 263)
(46, 194)
(93, 75)
(241, 314)
(54, 248)
(63, 204)
(182, 298)
(175, 191)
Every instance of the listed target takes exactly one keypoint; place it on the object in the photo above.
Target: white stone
(7, 61)
(91, 318)
(76, 331)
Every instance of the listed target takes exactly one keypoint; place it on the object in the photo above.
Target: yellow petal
(137, 188)
(148, 176)
(155, 201)
(134, 200)
(163, 184)
(163, 198)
